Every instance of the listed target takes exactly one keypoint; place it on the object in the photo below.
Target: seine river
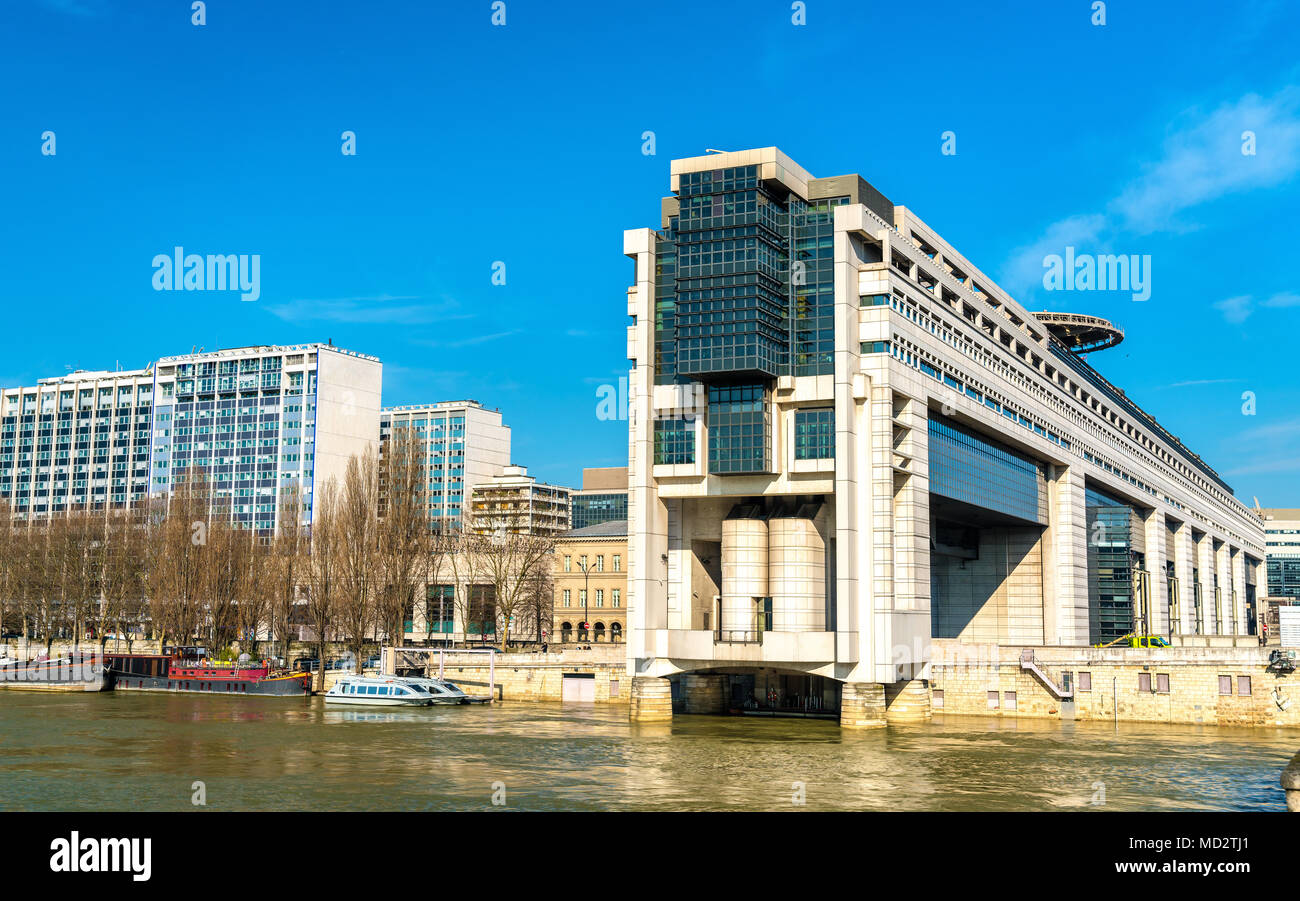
(133, 751)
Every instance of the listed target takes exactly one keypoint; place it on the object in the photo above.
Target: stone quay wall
(1223, 686)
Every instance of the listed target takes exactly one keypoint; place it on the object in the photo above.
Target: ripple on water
(143, 751)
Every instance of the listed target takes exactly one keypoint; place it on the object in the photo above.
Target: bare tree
(359, 559)
(124, 568)
(178, 562)
(404, 536)
(288, 567)
(324, 570)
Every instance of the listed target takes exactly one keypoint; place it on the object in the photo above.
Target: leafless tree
(359, 559)
(124, 576)
(288, 567)
(324, 570)
(404, 535)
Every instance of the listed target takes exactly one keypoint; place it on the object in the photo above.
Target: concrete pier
(651, 700)
(862, 705)
(907, 701)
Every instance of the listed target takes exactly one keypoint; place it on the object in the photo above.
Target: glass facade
(814, 434)
(251, 430)
(76, 445)
(1115, 554)
(1283, 577)
(745, 280)
(740, 429)
(967, 467)
(674, 441)
(590, 509)
(442, 434)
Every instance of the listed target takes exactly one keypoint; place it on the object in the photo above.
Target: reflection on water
(141, 751)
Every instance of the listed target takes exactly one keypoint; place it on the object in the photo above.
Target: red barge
(188, 669)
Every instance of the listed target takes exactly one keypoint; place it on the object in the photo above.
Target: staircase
(1027, 663)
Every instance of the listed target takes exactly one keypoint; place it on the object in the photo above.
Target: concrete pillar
(1223, 579)
(862, 705)
(907, 701)
(1068, 537)
(1184, 560)
(704, 693)
(1205, 558)
(1239, 588)
(651, 700)
(1155, 564)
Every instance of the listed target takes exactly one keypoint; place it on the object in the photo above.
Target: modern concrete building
(255, 419)
(590, 577)
(1282, 548)
(514, 501)
(602, 498)
(80, 440)
(465, 443)
(846, 442)
(261, 418)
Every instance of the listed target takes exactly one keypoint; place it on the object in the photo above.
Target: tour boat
(187, 669)
(443, 692)
(377, 691)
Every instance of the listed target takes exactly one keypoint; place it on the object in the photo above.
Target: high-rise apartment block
(464, 444)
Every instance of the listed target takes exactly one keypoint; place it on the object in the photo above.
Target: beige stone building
(591, 584)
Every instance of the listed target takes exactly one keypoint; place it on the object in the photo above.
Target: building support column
(862, 705)
(1184, 561)
(1068, 516)
(651, 700)
(1157, 587)
(907, 701)
(704, 694)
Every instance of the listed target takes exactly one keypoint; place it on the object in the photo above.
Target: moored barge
(187, 669)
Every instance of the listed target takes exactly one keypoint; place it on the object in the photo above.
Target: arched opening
(600, 632)
(566, 631)
(616, 632)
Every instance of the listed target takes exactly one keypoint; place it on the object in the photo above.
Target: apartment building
(516, 502)
(255, 419)
(465, 444)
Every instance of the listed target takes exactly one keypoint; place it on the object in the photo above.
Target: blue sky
(478, 143)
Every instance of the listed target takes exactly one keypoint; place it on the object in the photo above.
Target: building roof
(614, 528)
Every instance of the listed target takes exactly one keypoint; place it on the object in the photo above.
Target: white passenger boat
(377, 691)
(442, 691)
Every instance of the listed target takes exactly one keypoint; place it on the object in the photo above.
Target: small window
(1010, 698)
(383, 690)
(1144, 681)
(993, 700)
(1243, 686)
(1085, 681)
(1162, 683)
(936, 698)
(1225, 685)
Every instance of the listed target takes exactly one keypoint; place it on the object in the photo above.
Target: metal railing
(738, 636)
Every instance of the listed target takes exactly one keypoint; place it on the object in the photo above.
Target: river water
(139, 751)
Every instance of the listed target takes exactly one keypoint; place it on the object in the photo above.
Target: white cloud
(1201, 161)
